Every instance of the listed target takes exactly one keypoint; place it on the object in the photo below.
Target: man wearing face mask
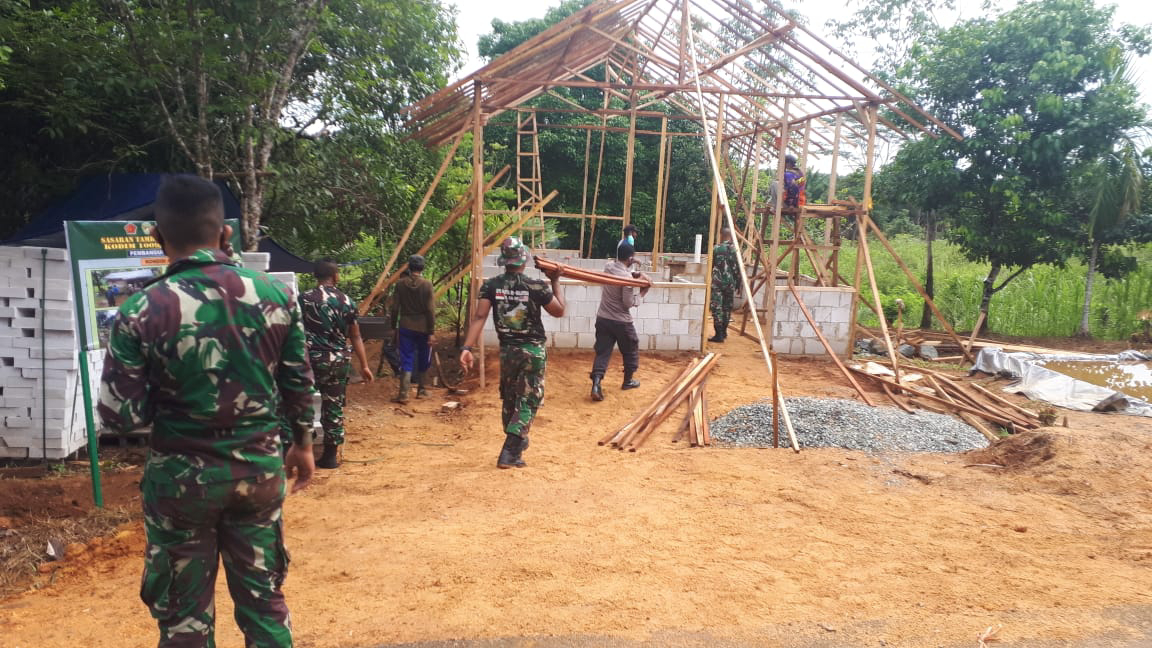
(629, 237)
(209, 354)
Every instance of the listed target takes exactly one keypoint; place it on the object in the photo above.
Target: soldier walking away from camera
(330, 323)
(207, 354)
(725, 283)
(414, 318)
(515, 302)
(614, 325)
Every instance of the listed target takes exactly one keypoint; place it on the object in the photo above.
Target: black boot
(403, 388)
(597, 392)
(329, 459)
(510, 453)
(418, 378)
(629, 381)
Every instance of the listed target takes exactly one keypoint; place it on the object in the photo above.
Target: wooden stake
(478, 204)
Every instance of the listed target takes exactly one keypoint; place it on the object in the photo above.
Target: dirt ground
(418, 539)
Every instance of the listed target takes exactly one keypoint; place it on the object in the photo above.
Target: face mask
(631, 240)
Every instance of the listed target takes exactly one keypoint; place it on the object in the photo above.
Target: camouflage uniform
(725, 279)
(328, 314)
(516, 303)
(208, 354)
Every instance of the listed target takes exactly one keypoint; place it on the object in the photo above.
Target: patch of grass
(1044, 301)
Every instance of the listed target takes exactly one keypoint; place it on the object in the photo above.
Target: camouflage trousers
(521, 384)
(190, 528)
(332, 383)
(721, 307)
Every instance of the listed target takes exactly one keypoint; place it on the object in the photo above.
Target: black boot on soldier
(510, 453)
(329, 459)
(629, 381)
(597, 392)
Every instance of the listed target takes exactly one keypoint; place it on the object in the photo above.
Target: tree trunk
(1085, 330)
(986, 297)
(929, 280)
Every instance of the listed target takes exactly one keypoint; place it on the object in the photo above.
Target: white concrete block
(688, 342)
(17, 422)
(814, 347)
(669, 311)
(585, 340)
(51, 354)
(581, 324)
(648, 310)
(644, 342)
(654, 327)
(563, 340)
(678, 327)
(694, 327)
(665, 342)
(692, 312)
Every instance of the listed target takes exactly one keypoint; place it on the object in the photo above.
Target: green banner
(111, 261)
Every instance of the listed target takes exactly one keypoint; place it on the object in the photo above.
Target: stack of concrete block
(832, 310)
(41, 404)
(288, 279)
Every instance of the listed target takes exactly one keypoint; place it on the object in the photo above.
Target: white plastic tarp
(1040, 383)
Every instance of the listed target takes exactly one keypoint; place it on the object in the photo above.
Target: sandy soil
(418, 538)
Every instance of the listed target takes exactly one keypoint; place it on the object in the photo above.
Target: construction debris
(687, 387)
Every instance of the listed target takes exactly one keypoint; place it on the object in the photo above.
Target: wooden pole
(775, 401)
(716, 182)
(774, 241)
(630, 163)
(478, 205)
(658, 217)
(827, 345)
(967, 351)
(863, 243)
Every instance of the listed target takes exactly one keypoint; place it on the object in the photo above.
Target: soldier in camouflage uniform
(725, 284)
(207, 354)
(515, 302)
(330, 323)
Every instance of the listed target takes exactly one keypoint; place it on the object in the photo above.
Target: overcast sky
(475, 19)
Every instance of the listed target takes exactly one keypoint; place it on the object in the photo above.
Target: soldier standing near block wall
(515, 302)
(207, 353)
(330, 323)
(725, 284)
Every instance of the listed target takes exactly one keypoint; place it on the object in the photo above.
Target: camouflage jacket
(725, 273)
(328, 314)
(516, 304)
(207, 353)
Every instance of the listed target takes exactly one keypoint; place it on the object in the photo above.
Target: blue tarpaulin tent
(128, 196)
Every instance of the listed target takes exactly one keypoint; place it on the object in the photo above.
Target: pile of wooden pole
(686, 387)
(590, 276)
(972, 403)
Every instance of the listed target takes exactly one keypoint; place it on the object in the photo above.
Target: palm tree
(1113, 184)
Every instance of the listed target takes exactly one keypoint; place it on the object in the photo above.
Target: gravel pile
(822, 423)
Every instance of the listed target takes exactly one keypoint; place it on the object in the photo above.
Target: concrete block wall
(830, 307)
(41, 405)
(667, 319)
(35, 383)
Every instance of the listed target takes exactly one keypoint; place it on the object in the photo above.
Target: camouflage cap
(513, 252)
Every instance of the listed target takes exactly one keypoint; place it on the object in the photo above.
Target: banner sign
(111, 261)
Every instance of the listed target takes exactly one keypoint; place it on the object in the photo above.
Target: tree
(232, 81)
(1111, 188)
(1033, 91)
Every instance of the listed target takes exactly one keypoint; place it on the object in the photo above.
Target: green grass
(1044, 301)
